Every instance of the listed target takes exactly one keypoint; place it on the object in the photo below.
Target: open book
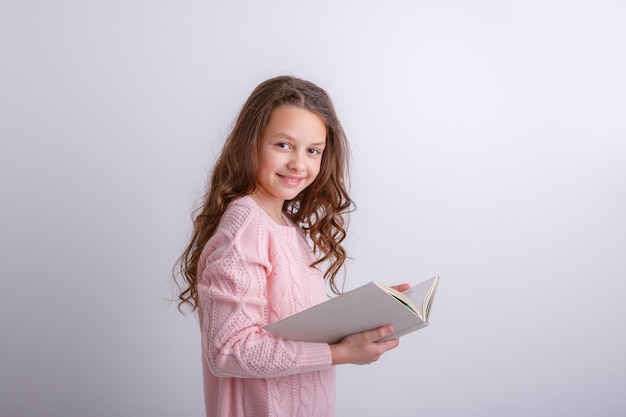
(364, 308)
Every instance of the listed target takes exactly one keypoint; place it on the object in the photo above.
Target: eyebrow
(289, 137)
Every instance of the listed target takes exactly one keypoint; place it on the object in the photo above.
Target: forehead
(296, 123)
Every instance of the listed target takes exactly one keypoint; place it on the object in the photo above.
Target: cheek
(315, 169)
(269, 162)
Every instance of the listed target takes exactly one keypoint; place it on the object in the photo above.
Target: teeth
(292, 180)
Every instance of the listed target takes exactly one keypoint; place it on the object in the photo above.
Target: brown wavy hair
(321, 209)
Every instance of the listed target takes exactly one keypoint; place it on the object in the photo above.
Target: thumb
(384, 331)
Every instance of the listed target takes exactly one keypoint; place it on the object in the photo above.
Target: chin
(291, 196)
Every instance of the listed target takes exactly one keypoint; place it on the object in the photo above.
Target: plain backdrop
(489, 147)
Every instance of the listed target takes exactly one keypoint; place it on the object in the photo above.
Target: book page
(421, 294)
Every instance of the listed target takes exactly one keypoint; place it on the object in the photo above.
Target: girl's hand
(363, 348)
(401, 287)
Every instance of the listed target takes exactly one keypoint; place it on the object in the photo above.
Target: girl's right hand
(363, 348)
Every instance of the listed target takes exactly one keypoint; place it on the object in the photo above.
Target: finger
(401, 287)
(389, 344)
(370, 336)
(382, 332)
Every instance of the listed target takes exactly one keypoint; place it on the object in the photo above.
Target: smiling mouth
(291, 180)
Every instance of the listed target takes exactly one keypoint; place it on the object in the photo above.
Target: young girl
(280, 178)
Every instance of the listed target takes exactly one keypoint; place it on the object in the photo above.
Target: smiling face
(290, 156)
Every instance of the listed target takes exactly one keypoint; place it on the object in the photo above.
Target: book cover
(364, 308)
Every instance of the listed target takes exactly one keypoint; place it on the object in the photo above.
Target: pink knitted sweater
(254, 272)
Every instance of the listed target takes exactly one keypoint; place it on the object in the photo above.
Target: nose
(296, 162)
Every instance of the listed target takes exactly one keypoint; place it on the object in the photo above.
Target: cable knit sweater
(253, 272)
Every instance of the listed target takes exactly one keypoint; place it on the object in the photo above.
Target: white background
(489, 147)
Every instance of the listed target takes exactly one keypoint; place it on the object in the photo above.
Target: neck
(275, 211)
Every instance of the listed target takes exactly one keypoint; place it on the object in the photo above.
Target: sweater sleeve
(234, 307)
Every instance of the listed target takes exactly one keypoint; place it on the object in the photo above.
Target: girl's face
(290, 155)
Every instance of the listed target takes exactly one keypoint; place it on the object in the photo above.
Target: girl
(279, 180)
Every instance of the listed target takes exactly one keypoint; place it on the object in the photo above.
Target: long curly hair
(321, 209)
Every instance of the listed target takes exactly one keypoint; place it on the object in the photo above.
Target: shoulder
(243, 215)
(246, 225)
(241, 233)
(248, 228)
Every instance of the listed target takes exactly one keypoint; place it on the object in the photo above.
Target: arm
(234, 308)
